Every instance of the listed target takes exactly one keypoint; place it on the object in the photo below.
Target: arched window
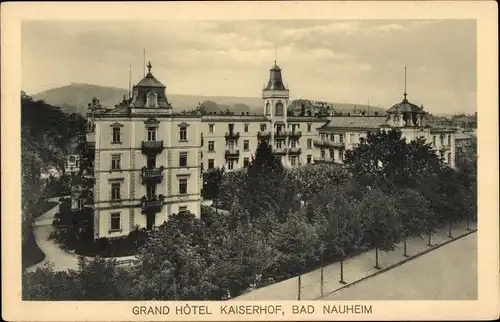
(268, 109)
(279, 108)
(152, 100)
(72, 159)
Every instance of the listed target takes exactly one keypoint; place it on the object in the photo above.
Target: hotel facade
(141, 163)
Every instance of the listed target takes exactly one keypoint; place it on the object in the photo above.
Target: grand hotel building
(141, 162)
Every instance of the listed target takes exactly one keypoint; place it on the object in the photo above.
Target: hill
(75, 97)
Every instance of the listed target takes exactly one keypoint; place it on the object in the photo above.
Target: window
(77, 163)
(441, 139)
(268, 109)
(211, 128)
(151, 100)
(230, 164)
(183, 159)
(246, 145)
(279, 109)
(183, 186)
(183, 209)
(351, 138)
(309, 159)
(116, 135)
(341, 155)
(79, 203)
(151, 161)
(293, 144)
(309, 127)
(293, 160)
(449, 157)
(246, 161)
(263, 127)
(72, 159)
(211, 163)
(151, 134)
(151, 191)
(246, 127)
(332, 137)
(278, 144)
(434, 140)
(115, 162)
(183, 133)
(211, 146)
(115, 191)
(341, 138)
(230, 145)
(115, 222)
(449, 139)
(309, 143)
(323, 153)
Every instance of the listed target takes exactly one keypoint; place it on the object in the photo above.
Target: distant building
(141, 162)
(72, 162)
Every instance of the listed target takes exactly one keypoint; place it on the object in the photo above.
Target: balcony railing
(323, 160)
(154, 175)
(232, 153)
(280, 134)
(280, 151)
(263, 135)
(82, 139)
(294, 151)
(91, 146)
(232, 135)
(295, 134)
(88, 173)
(328, 143)
(152, 147)
(152, 204)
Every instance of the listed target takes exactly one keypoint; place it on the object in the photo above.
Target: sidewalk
(356, 269)
(61, 259)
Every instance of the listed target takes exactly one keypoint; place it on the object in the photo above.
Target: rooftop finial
(405, 86)
(149, 67)
(275, 54)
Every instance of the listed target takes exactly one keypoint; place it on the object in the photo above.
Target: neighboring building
(72, 162)
(463, 147)
(141, 163)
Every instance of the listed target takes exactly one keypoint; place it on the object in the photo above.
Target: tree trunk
(405, 254)
(342, 271)
(429, 244)
(376, 258)
(449, 231)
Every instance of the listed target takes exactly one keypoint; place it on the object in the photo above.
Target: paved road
(447, 273)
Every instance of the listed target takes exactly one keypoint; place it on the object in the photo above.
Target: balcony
(91, 146)
(328, 143)
(152, 204)
(232, 154)
(323, 160)
(154, 175)
(280, 151)
(232, 136)
(263, 135)
(295, 134)
(280, 134)
(82, 139)
(152, 147)
(294, 151)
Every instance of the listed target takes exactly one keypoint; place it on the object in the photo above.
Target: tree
(212, 180)
(413, 211)
(381, 221)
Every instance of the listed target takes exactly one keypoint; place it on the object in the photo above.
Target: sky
(349, 61)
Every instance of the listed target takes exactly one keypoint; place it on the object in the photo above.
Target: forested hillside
(46, 132)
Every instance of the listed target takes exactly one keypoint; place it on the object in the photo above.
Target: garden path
(61, 259)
